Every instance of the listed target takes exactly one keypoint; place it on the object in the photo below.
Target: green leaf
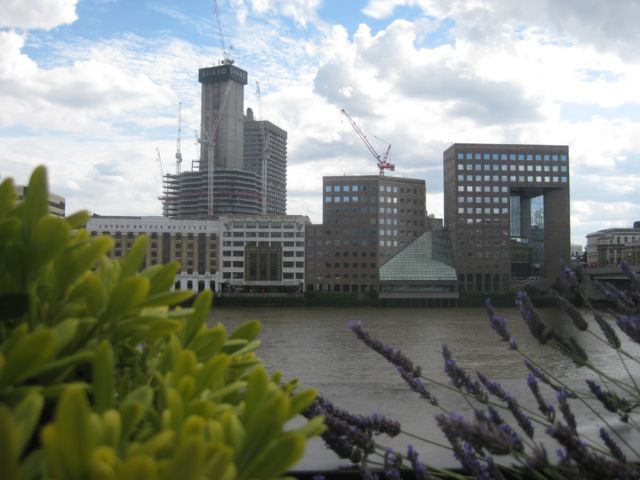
(7, 196)
(276, 458)
(247, 331)
(168, 299)
(201, 308)
(66, 331)
(28, 356)
(128, 294)
(134, 407)
(188, 461)
(132, 262)
(79, 259)
(208, 342)
(36, 201)
(103, 377)
(77, 219)
(26, 416)
(162, 277)
(73, 434)
(9, 440)
(49, 238)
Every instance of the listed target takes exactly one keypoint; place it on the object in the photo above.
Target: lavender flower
(419, 469)
(396, 357)
(539, 374)
(375, 423)
(492, 386)
(546, 409)
(570, 277)
(499, 324)
(489, 471)
(612, 446)
(570, 310)
(568, 415)
(523, 421)
(589, 464)
(418, 386)
(607, 330)
(573, 350)
(481, 434)
(460, 379)
(631, 326)
(538, 329)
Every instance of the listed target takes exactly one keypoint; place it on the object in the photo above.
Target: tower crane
(178, 141)
(226, 46)
(383, 164)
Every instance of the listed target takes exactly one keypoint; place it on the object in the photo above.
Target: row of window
(481, 211)
(511, 168)
(483, 199)
(240, 275)
(486, 221)
(546, 157)
(356, 198)
(512, 178)
(240, 264)
(272, 234)
(371, 188)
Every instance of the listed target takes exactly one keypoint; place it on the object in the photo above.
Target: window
(327, 199)
(327, 188)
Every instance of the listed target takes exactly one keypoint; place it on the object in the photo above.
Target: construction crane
(383, 164)
(178, 141)
(265, 154)
(226, 46)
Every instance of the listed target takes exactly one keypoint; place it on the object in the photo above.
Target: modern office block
(506, 208)
(56, 202)
(366, 220)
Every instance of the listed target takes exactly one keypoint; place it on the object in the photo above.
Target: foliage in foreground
(497, 424)
(101, 379)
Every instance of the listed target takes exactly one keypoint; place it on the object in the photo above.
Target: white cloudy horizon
(90, 89)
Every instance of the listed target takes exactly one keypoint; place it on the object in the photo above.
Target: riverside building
(232, 255)
(56, 202)
(366, 219)
(506, 208)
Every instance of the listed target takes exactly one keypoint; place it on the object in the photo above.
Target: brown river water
(316, 346)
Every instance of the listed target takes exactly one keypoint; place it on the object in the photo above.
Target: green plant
(101, 377)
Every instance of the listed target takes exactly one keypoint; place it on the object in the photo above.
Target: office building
(192, 243)
(366, 220)
(265, 144)
(232, 255)
(506, 208)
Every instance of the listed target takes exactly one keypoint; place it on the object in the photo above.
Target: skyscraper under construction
(227, 180)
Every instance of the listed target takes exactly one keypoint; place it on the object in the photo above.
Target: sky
(90, 88)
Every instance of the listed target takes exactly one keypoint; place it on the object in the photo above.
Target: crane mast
(178, 141)
(264, 155)
(226, 47)
(383, 164)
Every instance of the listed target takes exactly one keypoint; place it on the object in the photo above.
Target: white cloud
(37, 14)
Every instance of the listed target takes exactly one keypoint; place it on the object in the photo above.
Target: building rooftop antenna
(178, 141)
(226, 46)
(383, 164)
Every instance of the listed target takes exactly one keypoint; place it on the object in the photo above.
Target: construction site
(242, 167)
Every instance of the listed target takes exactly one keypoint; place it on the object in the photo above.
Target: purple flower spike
(499, 324)
(538, 329)
(570, 277)
(607, 330)
(612, 446)
(608, 399)
(631, 326)
(570, 310)
(460, 378)
(546, 409)
(568, 415)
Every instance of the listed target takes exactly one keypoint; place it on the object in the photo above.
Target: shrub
(102, 376)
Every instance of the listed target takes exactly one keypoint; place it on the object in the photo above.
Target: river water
(315, 346)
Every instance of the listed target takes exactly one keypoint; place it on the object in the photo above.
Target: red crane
(382, 161)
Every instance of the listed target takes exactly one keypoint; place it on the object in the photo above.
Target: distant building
(230, 178)
(612, 246)
(56, 202)
(234, 254)
(506, 208)
(265, 144)
(366, 220)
